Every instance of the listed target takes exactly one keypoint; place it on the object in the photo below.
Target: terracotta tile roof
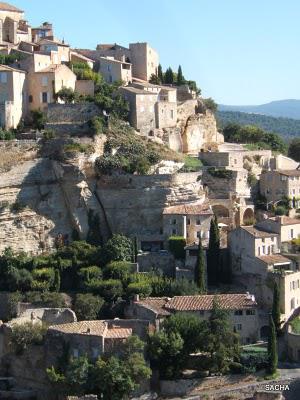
(274, 259)
(155, 304)
(95, 328)
(9, 7)
(189, 209)
(7, 68)
(257, 232)
(118, 333)
(289, 172)
(286, 220)
(205, 302)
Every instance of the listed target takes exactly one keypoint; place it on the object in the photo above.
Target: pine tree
(56, 284)
(160, 74)
(180, 78)
(213, 253)
(272, 348)
(200, 269)
(276, 307)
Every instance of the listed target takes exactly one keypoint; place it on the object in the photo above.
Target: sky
(238, 51)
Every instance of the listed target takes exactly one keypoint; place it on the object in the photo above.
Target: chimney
(136, 298)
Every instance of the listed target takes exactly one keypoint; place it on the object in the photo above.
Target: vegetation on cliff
(127, 152)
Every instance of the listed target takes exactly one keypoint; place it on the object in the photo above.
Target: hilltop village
(142, 250)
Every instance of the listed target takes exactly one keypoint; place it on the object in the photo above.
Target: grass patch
(78, 148)
(191, 164)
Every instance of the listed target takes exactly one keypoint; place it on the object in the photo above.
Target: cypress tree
(169, 76)
(213, 253)
(56, 284)
(160, 74)
(200, 269)
(272, 348)
(276, 307)
(180, 78)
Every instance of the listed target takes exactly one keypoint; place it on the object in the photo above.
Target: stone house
(257, 264)
(278, 184)
(287, 228)
(151, 107)
(188, 220)
(80, 58)
(94, 338)
(59, 51)
(44, 31)
(242, 310)
(114, 70)
(45, 83)
(12, 96)
(13, 27)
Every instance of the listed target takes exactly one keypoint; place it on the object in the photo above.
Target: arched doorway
(248, 217)
(220, 211)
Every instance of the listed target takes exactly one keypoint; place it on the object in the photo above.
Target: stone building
(242, 309)
(59, 51)
(278, 184)
(257, 264)
(44, 31)
(190, 221)
(114, 70)
(12, 96)
(94, 338)
(44, 84)
(151, 106)
(13, 27)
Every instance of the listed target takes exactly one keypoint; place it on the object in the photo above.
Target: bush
(254, 361)
(281, 210)
(87, 306)
(117, 270)
(43, 279)
(38, 119)
(220, 173)
(78, 148)
(7, 135)
(45, 299)
(86, 274)
(67, 95)
(26, 334)
(97, 125)
(12, 303)
(118, 248)
(110, 289)
(143, 289)
(176, 246)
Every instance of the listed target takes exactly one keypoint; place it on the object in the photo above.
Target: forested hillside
(286, 127)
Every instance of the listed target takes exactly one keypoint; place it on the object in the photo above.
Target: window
(44, 80)
(292, 304)
(250, 312)
(3, 77)
(75, 353)
(199, 234)
(174, 221)
(292, 233)
(259, 251)
(44, 97)
(108, 68)
(174, 231)
(198, 222)
(263, 249)
(188, 221)
(238, 312)
(172, 114)
(30, 98)
(238, 327)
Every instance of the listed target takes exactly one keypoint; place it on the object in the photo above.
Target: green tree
(87, 306)
(94, 233)
(38, 119)
(221, 340)
(180, 77)
(118, 248)
(211, 105)
(276, 307)
(67, 95)
(56, 283)
(154, 79)
(169, 76)
(176, 246)
(272, 347)
(213, 253)
(294, 149)
(200, 269)
(165, 353)
(160, 74)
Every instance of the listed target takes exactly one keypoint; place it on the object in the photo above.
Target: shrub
(220, 173)
(87, 306)
(118, 248)
(38, 119)
(78, 148)
(49, 134)
(176, 246)
(210, 104)
(86, 274)
(254, 361)
(110, 289)
(7, 135)
(26, 334)
(45, 299)
(67, 95)
(17, 207)
(117, 270)
(143, 289)
(281, 210)
(12, 303)
(43, 278)
(97, 125)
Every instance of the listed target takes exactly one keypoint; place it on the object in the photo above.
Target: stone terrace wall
(71, 113)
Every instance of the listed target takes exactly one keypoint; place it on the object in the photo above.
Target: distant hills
(281, 108)
(288, 128)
